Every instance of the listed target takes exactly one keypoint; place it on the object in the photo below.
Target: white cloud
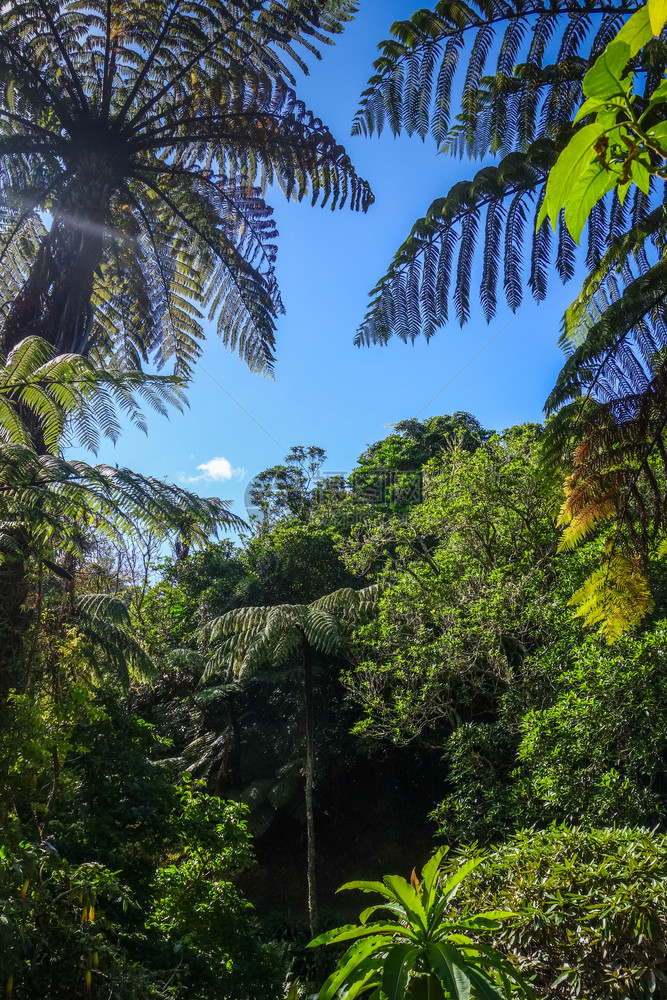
(217, 470)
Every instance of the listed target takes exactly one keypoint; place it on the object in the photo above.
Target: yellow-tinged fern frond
(615, 598)
(579, 526)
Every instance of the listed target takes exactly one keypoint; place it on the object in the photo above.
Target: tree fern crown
(150, 130)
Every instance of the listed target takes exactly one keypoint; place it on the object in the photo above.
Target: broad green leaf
(577, 157)
(365, 977)
(408, 898)
(636, 32)
(640, 176)
(481, 923)
(355, 931)
(622, 190)
(398, 965)
(605, 77)
(350, 961)
(367, 887)
(450, 967)
(589, 107)
(657, 12)
(483, 987)
(659, 134)
(430, 875)
(369, 911)
(594, 183)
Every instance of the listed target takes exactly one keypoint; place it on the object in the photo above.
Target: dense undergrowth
(155, 837)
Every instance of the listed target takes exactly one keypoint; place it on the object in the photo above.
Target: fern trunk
(55, 304)
(310, 769)
(55, 301)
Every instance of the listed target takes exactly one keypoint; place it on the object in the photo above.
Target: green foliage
(46, 501)
(59, 390)
(294, 563)
(591, 918)
(200, 912)
(478, 693)
(56, 938)
(160, 858)
(617, 363)
(579, 736)
(467, 598)
(389, 473)
(285, 491)
(623, 144)
(248, 638)
(187, 593)
(417, 948)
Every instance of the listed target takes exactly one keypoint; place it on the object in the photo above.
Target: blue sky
(326, 391)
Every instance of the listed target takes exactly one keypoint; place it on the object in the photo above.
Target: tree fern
(616, 597)
(618, 482)
(149, 132)
(105, 623)
(247, 639)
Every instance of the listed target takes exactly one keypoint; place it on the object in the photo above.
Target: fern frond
(52, 501)
(411, 299)
(615, 598)
(246, 639)
(514, 103)
(417, 71)
(72, 393)
(106, 623)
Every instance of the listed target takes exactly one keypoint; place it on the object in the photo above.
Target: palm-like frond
(618, 482)
(150, 132)
(105, 622)
(519, 107)
(54, 501)
(70, 392)
(246, 639)
(504, 104)
(609, 408)
(48, 499)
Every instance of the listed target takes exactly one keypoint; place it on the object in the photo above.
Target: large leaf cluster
(48, 499)
(590, 903)
(411, 945)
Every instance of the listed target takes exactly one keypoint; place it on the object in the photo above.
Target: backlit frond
(106, 623)
(246, 639)
(615, 598)
(72, 393)
(516, 72)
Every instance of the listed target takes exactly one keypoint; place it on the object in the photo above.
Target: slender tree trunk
(310, 767)
(55, 301)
